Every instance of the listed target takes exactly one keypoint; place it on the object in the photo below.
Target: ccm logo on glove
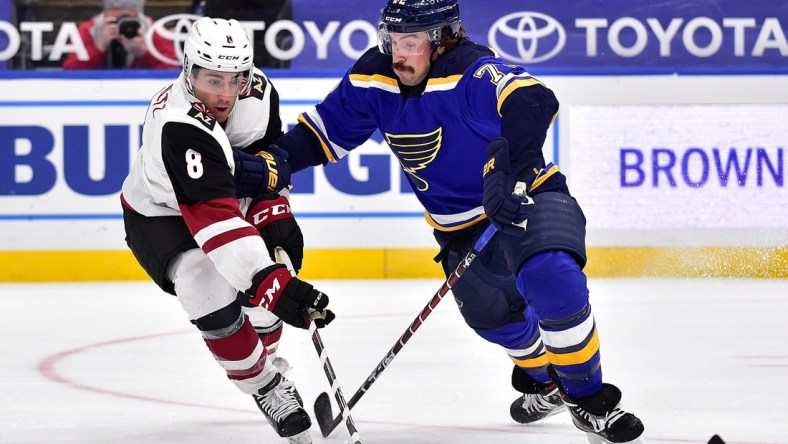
(270, 288)
(277, 210)
(288, 297)
(273, 218)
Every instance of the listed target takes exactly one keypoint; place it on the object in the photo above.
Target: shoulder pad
(458, 60)
(259, 83)
(200, 113)
(372, 62)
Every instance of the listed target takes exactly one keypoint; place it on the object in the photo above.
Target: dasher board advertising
(618, 35)
(680, 166)
(613, 36)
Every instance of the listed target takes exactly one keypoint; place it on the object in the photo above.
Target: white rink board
(58, 217)
(680, 166)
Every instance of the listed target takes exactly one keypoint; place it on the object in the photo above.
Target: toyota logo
(178, 33)
(529, 37)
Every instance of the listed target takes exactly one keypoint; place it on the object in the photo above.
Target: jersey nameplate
(202, 115)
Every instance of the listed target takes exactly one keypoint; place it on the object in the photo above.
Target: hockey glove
(504, 205)
(272, 217)
(288, 297)
(260, 173)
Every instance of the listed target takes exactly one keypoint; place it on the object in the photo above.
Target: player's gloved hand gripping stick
(503, 207)
(323, 414)
(311, 318)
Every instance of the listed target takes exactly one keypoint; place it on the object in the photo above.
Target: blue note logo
(527, 37)
(415, 152)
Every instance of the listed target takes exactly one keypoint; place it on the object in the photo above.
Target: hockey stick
(282, 257)
(323, 412)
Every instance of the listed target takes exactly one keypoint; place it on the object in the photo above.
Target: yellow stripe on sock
(539, 361)
(578, 357)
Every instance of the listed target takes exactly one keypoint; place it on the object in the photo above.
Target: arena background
(672, 132)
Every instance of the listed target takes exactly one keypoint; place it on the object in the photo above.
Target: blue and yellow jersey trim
(453, 226)
(442, 83)
(377, 81)
(544, 174)
(511, 83)
(389, 84)
(324, 143)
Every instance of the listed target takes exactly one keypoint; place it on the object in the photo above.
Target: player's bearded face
(410, 56)
(218, 91)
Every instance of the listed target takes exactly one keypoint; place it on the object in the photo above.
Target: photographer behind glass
(115, 39)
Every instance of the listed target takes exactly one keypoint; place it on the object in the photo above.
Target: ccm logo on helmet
(225, 57)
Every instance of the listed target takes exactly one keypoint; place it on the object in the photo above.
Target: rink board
(677, 175)
(392, 263)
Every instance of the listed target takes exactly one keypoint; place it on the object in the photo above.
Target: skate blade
(560, 409)
(301, 438)
(596, 439)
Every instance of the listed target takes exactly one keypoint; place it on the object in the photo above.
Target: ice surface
(119, 363)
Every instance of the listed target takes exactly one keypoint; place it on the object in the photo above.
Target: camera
(129, 26)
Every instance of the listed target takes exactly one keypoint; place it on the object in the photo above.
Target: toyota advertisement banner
(601, 35)
(619, 36)
(5, 19)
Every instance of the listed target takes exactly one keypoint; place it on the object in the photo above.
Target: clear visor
(403, 44)
(230, 84)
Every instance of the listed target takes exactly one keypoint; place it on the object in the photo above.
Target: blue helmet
(406, 16)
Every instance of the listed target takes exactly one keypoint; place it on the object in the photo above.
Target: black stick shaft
(282, 257)
(344, 410)
(452, 279)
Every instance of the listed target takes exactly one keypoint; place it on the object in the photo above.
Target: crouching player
(190, 225)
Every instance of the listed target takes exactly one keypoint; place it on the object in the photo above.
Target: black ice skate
(602, 418)
(538, 401)
(282, 406)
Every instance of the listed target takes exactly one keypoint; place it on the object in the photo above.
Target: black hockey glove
(288, 297)
(272, 217)
(260, 173)
(503, 206)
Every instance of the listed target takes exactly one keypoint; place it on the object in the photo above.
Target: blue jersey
(438, 130)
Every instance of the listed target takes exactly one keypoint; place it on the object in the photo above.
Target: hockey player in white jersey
(190, 225)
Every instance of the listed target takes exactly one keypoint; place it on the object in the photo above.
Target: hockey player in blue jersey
(466, 127)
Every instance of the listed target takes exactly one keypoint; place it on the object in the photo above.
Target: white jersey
(185, 168)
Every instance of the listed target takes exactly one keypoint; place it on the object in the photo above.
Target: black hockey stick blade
(323, 414)
(714, 440)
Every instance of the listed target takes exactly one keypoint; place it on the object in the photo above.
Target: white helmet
(220, 45)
